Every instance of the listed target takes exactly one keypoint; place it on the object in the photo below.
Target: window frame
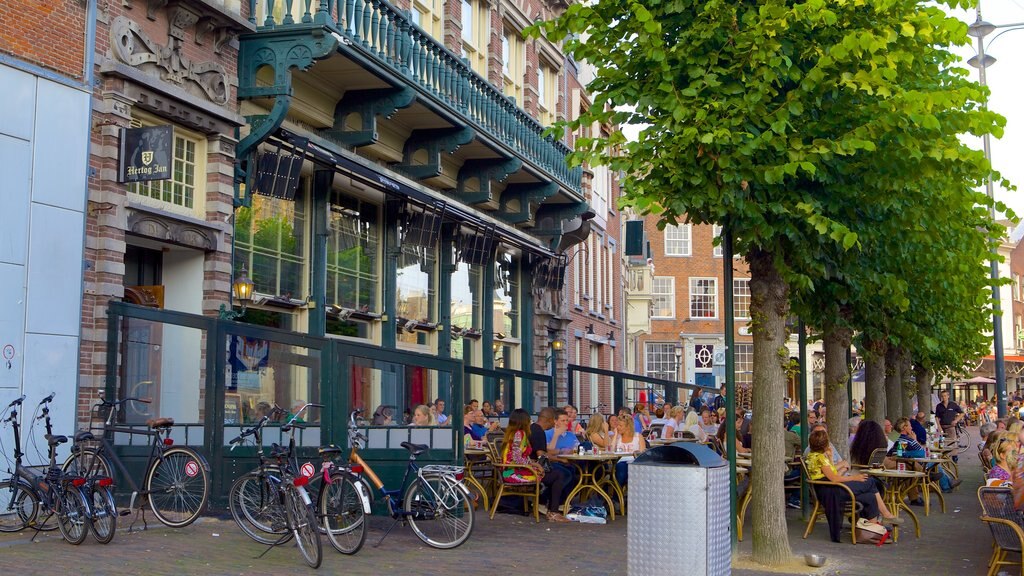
(693, 295)
(670, 296)
(475, 44)
(199, 166)
(686, 247)
(737, 296)
(513, 66)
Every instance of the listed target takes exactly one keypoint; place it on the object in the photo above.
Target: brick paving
(954, 542)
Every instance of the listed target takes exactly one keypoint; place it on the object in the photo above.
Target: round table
(592, 471)
(476, 456)
(896, 485)
(927, 485)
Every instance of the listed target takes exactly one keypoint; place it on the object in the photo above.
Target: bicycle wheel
(88, 463)
(442, 513)
(256, 507)
(104, 514)
(73, 515)
(178, 486)
(19, 506)
(304, 526)
(963, 438)
(343, 516)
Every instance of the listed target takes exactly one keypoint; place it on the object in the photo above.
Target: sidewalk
(954, 542)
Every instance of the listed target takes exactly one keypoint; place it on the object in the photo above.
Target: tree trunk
(925, 377)
(874, 379)
(769, 308)
(893, 386)
(837, 372)
(909, 388)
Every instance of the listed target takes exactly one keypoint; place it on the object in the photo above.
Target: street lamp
(980, 29)
(679, 362)
(241, 290)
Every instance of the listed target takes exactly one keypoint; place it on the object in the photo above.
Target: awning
(1005, 358)
(980, 380)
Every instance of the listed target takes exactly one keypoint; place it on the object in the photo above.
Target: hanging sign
(145, 154)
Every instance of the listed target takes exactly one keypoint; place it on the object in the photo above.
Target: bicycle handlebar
(17, 402)
(47, 399)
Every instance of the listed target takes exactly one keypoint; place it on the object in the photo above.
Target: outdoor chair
(1005, 523)
(849, 507)
(654, 431)
(986, 464)
(528, 490)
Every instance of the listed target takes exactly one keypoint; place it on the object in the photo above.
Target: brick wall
(47, 33)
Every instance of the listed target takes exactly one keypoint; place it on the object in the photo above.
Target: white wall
(43, 149)
(181, 354)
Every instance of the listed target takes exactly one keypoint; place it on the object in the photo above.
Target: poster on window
(247, 356)
(145, 154)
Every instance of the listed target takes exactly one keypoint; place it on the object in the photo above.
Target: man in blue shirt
(560, 439)
(917, 425)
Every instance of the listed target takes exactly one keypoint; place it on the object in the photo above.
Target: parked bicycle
(342, 500)
(32, 496)
(436, 503)
(963, 436)
(271, 503)
(177, 479)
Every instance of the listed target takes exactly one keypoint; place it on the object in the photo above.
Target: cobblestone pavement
(952, 543)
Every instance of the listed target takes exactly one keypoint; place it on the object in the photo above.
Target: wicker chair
(528, 490)
(819, 509)
(1005, 523)
(986, 464)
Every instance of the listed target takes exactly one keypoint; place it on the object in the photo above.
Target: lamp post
(980, 29)
(241, 292)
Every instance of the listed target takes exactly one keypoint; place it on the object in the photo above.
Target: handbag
(868, 532)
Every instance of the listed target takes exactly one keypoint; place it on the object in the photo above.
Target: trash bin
(679, 512)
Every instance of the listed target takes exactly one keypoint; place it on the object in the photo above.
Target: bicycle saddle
(55, 440)
(84, 436)
(160, 422)
(328, 452)
(415, 449)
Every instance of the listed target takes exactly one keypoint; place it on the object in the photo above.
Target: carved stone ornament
(135, 48)
(167, 229)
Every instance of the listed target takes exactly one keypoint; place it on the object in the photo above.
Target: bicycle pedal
(124, 513)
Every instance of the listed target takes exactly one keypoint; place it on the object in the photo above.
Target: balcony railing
(386, 34)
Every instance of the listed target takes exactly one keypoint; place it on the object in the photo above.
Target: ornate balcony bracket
(572, 221)
(433, 142)
(297, 47)
(484, 173)
(368, 105)
(517, 201)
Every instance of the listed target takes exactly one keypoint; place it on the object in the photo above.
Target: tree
(764, 116)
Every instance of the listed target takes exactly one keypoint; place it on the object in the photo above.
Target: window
(547, 90)
(598, 301)
(663, 297)
(703, 298)
(744, 363)
(427, 15)
(353, 279)
(1018, 331)
(593, 269)
(600, 189)
(270, 240)
(716, 232)
(741, 297)
(1016, 288)
(184, 191)
(661, 361)
(512, 68)
(610, 277)
(677, 240)
(475, 32)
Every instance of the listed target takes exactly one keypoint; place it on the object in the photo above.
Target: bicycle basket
(434, 470)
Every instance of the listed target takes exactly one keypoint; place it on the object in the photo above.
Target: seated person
(722, 431)
(911, 449)
(627, 440)
(865, 491)
(516, 450)
(383, 416)
(842, 466)
(565, 442)
(1004, 449)
(890, 433)
(869, 437)
(707, 422)
(422, 416)
(597, 433)
(692, 425)
(559, 479)
(673, 422)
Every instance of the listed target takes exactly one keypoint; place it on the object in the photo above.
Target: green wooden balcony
(376, 32)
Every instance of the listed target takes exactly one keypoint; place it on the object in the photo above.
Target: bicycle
(342, 500)
(273, 500)
(52, 492)
(963, 436)
(437, 496)
(177, 479)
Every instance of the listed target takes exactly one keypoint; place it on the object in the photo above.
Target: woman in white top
(628, 441)
(692, 425)
(673, 422)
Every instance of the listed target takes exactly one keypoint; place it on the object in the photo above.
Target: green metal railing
(517, 386)
(379, 30)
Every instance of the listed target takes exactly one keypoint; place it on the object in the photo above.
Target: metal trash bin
(679, 512)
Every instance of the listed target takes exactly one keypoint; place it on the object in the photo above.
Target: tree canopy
(809, 129)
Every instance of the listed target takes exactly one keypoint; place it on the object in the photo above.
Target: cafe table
(927, 485)
(592, 470)
(476, 456)
(897, 482)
